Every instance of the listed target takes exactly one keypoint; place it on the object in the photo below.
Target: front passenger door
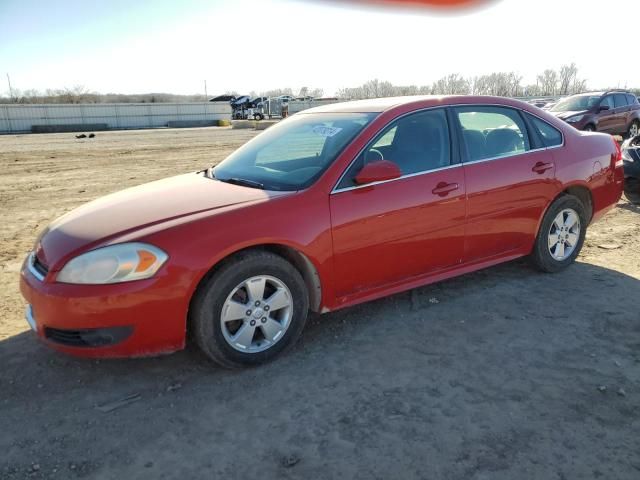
(607, 118)
(391, 231)
(621, 112)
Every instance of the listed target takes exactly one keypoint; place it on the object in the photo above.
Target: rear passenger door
(509, 176)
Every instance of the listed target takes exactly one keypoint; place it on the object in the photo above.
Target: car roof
(371, 105)
(378, 105)
(590, 94)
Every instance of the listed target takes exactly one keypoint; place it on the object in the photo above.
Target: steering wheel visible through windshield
(294, 153)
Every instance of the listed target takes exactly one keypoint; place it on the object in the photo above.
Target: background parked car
(631, 162)
(616, 112)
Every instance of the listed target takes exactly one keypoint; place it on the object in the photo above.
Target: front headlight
(114, 264)
(575, 119)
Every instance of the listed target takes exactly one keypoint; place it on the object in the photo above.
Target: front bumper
(140, 318)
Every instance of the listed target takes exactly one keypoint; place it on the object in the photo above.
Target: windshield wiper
(244, 182)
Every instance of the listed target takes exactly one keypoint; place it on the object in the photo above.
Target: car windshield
(574, 104)
(294, 153)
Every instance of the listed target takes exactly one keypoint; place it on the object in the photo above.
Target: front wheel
(590, 128)
(561, 235)
(252, 309)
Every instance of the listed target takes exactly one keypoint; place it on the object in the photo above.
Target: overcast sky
(137, 46)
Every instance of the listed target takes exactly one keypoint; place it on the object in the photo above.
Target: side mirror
(378, 171)
(604, 107)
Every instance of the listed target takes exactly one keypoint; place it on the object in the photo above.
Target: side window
(608, 100)
(416, 143)
(551, 136)
(490, 132)
(620, 100)
(632, 99)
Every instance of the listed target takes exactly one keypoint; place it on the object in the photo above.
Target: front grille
(95, 337)
(40, 267)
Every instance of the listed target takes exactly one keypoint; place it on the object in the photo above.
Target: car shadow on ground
(504, 372)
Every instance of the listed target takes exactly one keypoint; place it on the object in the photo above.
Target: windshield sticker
(325, 131)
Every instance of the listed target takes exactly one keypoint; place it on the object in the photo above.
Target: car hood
(136, 208)
(565, 115)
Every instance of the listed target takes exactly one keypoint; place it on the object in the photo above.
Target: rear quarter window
(550, 135)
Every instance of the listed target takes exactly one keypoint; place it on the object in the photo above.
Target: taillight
(616, 158)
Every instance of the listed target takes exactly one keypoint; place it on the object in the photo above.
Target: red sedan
(332, 207)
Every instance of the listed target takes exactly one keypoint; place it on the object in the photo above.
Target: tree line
(80, 94)
(564, 81)
(549, 83)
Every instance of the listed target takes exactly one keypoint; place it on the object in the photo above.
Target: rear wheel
(590, 128)
(250, 310)
(561, 234)
(634, 129)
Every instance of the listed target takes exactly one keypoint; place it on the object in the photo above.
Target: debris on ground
(602, 389)
(174, 386)
(609, 246)
(111, 406)
(82, 135)
(621, 391)
(290, 460)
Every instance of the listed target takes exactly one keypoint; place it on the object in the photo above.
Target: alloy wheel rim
(633, 131)
(256, 314)
(564, 234)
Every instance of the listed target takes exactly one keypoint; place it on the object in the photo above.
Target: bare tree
(548, 82)
(567, 77)
(310, 92)
(276, 92)
(453, 84)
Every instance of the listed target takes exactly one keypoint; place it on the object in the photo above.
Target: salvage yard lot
(503, 374)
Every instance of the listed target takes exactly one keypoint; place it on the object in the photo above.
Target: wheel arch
(582, 193)
(298, 259)
(578, 190)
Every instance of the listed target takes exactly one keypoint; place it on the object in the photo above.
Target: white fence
(21, 118)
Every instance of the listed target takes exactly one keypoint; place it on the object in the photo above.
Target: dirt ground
(502, 374)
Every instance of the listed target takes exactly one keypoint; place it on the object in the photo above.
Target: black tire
(636, 124)
(590, 128)
(206, 307)
(632, 190)
(541, 256)
(258, 116)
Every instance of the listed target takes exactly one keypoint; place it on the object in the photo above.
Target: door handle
(542, 167)
(443, 188)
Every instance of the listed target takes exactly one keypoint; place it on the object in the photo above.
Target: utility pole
(206, 97)
(10, 89)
